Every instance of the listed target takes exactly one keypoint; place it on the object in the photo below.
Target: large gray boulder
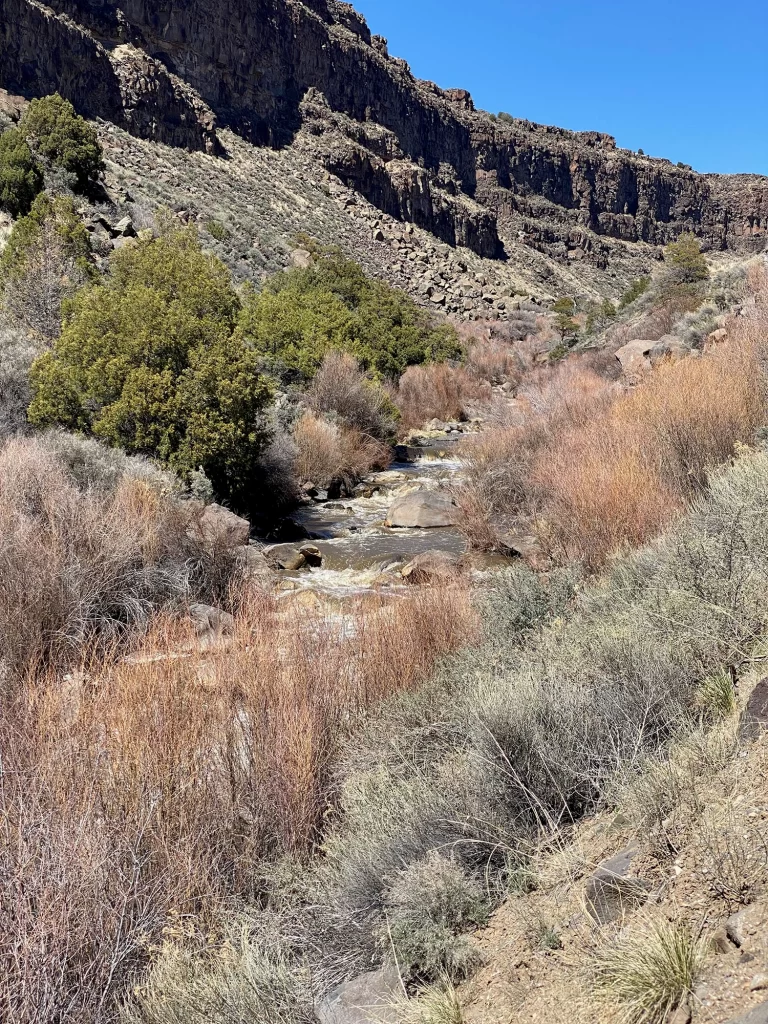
(423, 509)
(219, 528)
(634, 356)
(759, 1015)
(612, 890)
(371, 998)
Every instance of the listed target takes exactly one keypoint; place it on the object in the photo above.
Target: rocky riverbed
(401, 525)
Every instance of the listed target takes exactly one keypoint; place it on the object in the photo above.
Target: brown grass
(494, 361)
(137, 790)
(79, 566)
(594, 469)
(436, 391)
(328, 452)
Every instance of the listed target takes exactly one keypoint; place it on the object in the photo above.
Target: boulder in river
(430, 567)
(423, 509)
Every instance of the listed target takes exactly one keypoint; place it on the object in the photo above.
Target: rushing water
(358, 552)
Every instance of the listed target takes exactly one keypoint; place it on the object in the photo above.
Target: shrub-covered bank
(444, 793)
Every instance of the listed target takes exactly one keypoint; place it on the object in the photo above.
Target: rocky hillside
(544, 210)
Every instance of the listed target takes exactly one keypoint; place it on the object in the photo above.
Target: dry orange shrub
(154, 785)
(327, 451)
(616, 481)
(594, 469)
(436, 391)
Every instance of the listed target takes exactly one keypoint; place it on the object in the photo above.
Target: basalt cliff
(285, 75)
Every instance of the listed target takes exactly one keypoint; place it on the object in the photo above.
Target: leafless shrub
(494, 361)
(17, 353)
(79, 566)
(341, 388)
(736, 858)
(328, 452)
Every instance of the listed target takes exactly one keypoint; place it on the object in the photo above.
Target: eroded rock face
(270, 68)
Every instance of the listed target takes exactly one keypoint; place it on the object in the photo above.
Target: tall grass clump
(650, 972)
(241, 977)
(436, 391)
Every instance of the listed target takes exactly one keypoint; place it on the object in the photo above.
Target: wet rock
(612, 891)
(430, 567)
(312, 555)
(754, 718)
(219, 528)
(423, 509)
(371, 998)
(287, 558)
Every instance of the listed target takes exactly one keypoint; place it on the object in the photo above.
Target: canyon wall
(170, 70)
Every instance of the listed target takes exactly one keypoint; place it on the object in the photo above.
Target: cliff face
(168, 69)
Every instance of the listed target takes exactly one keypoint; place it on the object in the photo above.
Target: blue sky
(684, 79)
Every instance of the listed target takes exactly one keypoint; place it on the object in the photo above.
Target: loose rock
(612, 891)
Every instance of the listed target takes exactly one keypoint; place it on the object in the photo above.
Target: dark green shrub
(564, 310)
(635, 290)
(217, 230)
(20, 176)
(148, 361)
(300, 315)
(54, 211)
(686, 257)
(600, 316)
(63, 138)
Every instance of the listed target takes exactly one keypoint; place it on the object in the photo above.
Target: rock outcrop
(271, 69)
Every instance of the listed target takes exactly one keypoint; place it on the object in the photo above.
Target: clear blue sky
(684, 79)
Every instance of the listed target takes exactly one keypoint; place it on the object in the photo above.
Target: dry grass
(78, 566)
(651, 970)
(328, 452)
(152, 786)
(436, 391)
(594, 470)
